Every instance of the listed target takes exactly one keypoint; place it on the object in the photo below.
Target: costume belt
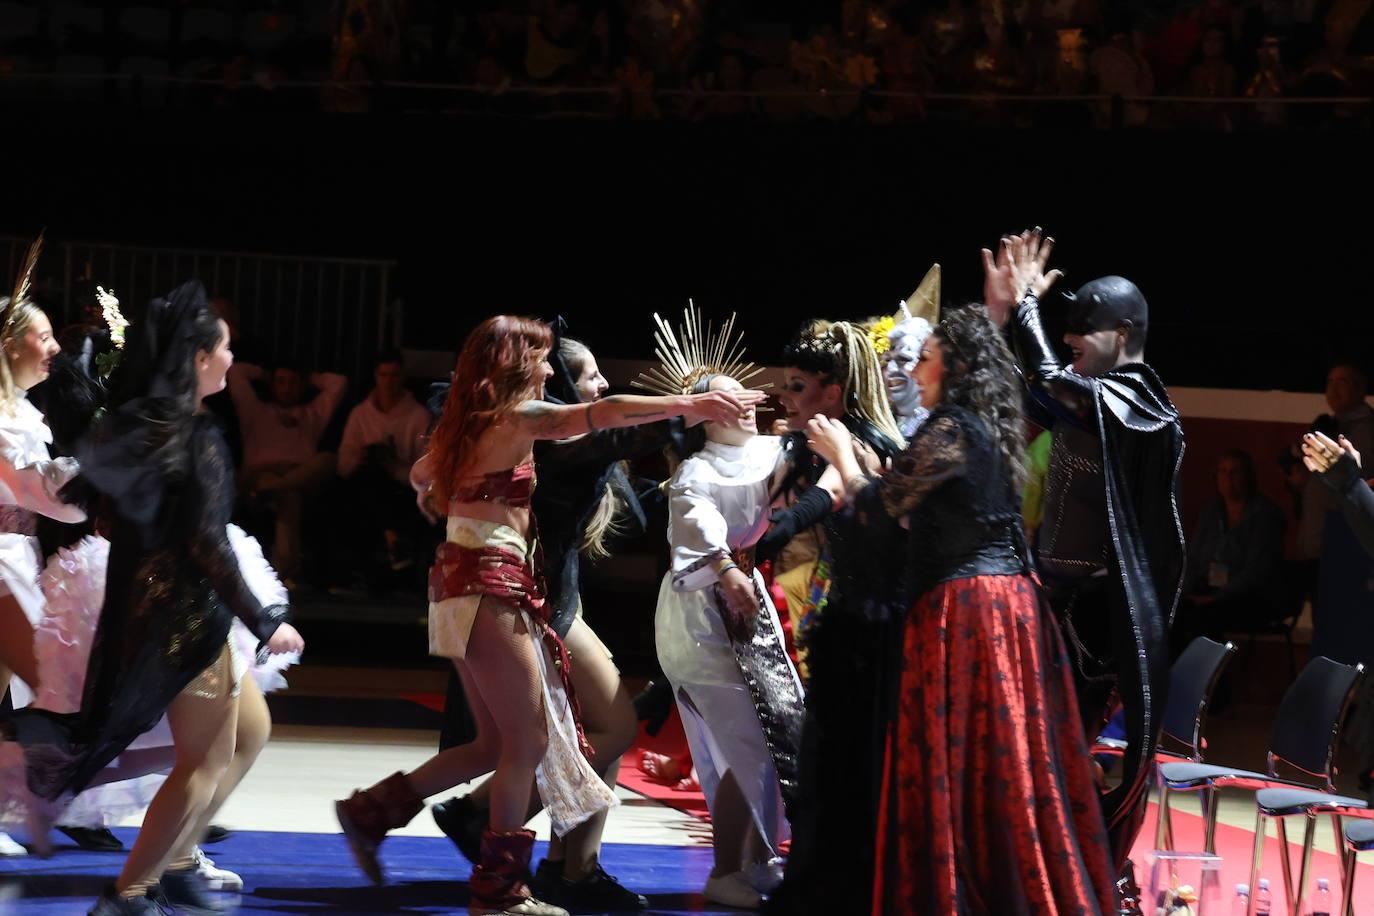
(460, 571)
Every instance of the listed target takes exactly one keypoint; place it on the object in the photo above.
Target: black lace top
(955, 492)
(168, 608)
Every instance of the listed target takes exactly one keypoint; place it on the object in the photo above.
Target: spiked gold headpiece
(694, 353)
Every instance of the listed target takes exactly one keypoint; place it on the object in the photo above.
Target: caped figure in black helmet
(1110, 551)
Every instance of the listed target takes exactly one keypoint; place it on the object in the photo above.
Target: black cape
(1142, 454)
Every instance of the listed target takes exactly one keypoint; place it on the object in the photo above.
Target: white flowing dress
(718, 503)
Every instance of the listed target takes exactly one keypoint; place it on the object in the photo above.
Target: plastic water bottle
(1240, 905)
(1264, 902)
(1321, 901)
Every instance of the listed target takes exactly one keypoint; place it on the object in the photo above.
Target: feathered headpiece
(694, 353)
(21, 286)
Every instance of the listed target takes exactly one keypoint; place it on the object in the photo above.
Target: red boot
(367, 816)
(498, 884)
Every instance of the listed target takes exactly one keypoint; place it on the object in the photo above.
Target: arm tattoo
(542, 418)
(591, 426)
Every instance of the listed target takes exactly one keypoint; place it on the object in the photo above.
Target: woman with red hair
(488, 613)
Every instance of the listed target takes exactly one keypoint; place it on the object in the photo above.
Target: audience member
(1235, 558)
(384, 436)
(282, 461)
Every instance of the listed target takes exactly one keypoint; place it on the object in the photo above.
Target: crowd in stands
(872, 60)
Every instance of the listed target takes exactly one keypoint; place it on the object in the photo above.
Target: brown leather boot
(498, 886)
(367, 816)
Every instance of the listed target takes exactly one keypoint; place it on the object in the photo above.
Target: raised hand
(999, 291)
(1029, 253)
(1320, 452)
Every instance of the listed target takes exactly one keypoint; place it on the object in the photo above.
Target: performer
(586, 495)
(1336, 462)
(989, 803)
(1110, 548)
(718, 637)
(829, 368)
(74, 591)
(162, 643)
(29, 483)
(850, 657)
(488, 611)
(899, 347)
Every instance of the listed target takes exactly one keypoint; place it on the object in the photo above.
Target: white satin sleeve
(32, 482)
(698, 534)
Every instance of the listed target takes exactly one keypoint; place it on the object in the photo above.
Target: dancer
(1110, 549)
(848, 648)
(899, 347)
(74, 590)
(584, 495)
(162, 643)
(718, 637)
(989, 804)
(829, 368)
(488, 611)
(29, 483)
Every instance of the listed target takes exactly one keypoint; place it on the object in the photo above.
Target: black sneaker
(544, 881)
(598, 892)
(93, 839)
(111, 904)
(463, 823)
(215, 834)
(188, 893)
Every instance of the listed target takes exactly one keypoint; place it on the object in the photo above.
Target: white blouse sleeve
(32, 482)
(699, 536)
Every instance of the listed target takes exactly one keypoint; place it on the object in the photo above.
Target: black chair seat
(1360, 834)
(1285, 802)
(1195, 775)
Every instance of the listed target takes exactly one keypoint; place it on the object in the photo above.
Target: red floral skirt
(989, 803)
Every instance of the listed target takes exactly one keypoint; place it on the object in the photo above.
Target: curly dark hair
(981, 377)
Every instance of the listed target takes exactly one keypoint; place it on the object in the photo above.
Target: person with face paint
(847, 643)
(899, 362)
(1110, 550)
(910, 328)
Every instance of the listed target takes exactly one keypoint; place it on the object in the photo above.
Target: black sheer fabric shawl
(173, 583)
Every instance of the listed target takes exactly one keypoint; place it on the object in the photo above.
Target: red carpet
(1234, 845)
(671, 741)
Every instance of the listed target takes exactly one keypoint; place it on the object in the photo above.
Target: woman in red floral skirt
(989, 803)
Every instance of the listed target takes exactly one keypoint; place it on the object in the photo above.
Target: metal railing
(614, 101)
(322, 313)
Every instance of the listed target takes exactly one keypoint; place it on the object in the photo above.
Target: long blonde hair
(17, 324)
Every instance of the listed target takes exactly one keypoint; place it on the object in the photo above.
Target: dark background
(1250, 248)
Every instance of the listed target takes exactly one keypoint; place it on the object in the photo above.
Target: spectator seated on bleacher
(384, 436)
(282, 460)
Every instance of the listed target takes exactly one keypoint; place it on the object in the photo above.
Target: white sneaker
(764, 877)
(219, 879)
(732, 890)
(8, 847)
